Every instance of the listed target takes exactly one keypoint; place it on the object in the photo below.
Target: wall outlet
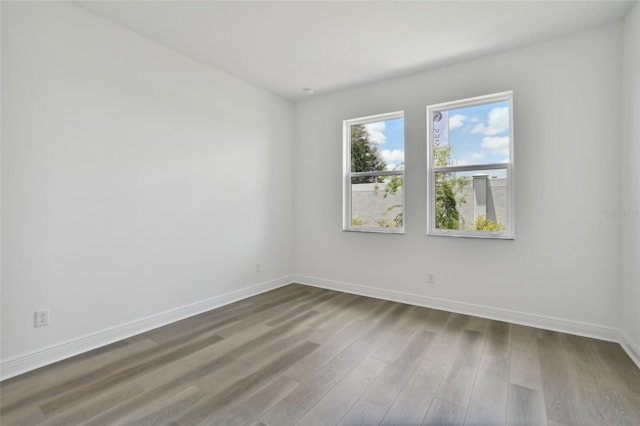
(41, 318)
(258, 267)
(431, 278)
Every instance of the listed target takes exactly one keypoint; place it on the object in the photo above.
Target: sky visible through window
(389, 137)
(478, 134)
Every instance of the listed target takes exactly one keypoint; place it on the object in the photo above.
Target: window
(470, 166)
(374, 173)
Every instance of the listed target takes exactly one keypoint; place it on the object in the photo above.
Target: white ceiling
(284, 46)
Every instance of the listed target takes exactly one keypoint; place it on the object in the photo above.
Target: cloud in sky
(497, 145)
(392, 157)
(376, 132)
(498, 122)
(456, 121)
(481, 135)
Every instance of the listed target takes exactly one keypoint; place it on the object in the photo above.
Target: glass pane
(477, 134)
(377, 202)
(473, 200)
(377, 146)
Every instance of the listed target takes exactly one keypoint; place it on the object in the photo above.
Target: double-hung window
(373, 194)
(470, 167)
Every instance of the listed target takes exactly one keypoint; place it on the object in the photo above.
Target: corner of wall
(630, 184)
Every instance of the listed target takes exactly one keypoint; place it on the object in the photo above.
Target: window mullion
(491, 166)
(379, 173)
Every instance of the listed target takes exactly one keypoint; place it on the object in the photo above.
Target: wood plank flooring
(307, 356)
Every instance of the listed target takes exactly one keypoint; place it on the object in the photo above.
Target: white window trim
(347, 175)
(509, 232)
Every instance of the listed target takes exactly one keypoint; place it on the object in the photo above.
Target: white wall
(564, 262)
(135, 180)
(631, 178)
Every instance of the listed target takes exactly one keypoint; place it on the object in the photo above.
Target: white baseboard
(544, 322)
(40, 358)
(631, 347)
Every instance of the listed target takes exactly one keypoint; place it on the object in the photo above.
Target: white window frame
(348, 174)
(509, 232)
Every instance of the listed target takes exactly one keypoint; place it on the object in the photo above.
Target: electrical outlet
(41, 318)
(258, 267)
(431, 278)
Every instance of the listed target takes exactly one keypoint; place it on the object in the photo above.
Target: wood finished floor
(308, 356)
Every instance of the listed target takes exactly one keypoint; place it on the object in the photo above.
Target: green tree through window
(365, 155)
(447, 214)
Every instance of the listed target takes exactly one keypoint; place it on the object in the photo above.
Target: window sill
(398, 231)
(472, 234)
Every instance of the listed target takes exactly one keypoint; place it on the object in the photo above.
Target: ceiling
(285, 46)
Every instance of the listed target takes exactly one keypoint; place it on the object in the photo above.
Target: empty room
(320, 213)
